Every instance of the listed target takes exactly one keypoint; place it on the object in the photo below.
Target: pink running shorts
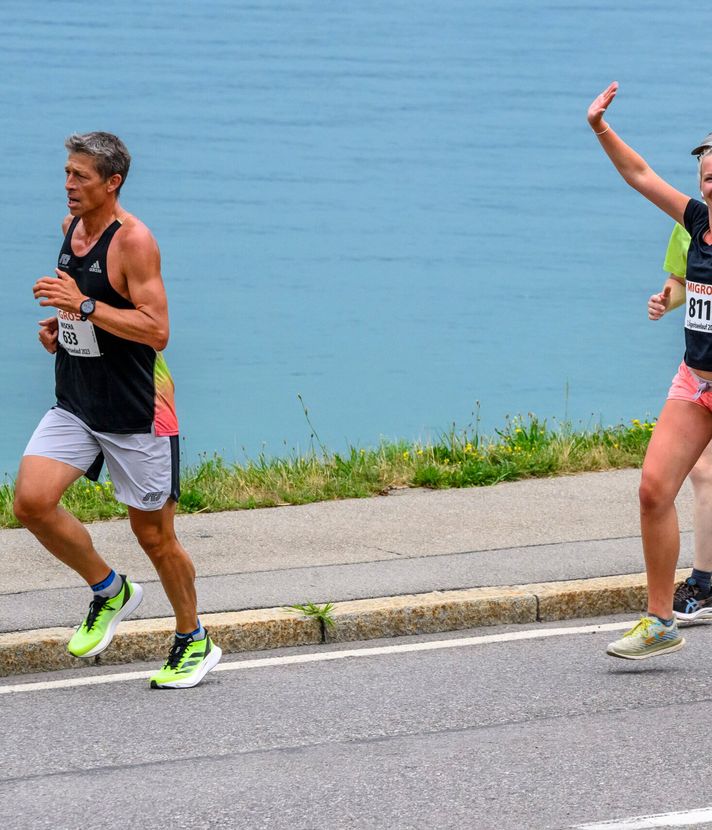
(687, 386)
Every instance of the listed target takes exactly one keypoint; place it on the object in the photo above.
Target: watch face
(87, 306)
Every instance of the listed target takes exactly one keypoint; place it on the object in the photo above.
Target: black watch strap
(86, 308)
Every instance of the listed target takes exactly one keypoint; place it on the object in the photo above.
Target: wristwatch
(86, 308)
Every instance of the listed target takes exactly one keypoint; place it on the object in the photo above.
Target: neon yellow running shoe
(105, 613)
(647, 638)
(187, 664)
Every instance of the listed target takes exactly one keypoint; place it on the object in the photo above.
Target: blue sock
(703, 579)
(662, 619)
(198, 634)
(108, 587)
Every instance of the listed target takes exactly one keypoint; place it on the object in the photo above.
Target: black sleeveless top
(115, 390)
(698, 289)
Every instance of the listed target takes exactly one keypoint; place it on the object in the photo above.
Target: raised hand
(658, 304)
(600, 104)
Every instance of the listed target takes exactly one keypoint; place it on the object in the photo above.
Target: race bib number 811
(77, 336)
(698, 314)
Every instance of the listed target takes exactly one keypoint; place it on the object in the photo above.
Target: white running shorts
(144, 468)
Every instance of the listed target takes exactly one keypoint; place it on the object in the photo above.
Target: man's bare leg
(40, 484)
(155, 533)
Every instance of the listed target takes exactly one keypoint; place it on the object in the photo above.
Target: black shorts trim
(175, 467)
(94, 471)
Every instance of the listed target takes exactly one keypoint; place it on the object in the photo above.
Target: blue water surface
(394, 210)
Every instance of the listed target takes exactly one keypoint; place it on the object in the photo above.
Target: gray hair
(108, 151)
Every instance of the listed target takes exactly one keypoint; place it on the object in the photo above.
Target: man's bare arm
(49, 327)
(141, 267)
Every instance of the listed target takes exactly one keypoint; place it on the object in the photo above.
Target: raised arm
(634, 169)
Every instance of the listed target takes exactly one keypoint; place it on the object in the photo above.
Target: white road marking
(323, 656)
(685, 818)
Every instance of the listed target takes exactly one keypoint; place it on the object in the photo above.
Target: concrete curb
(44, 649)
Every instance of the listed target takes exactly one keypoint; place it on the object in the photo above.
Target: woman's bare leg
(681, 434)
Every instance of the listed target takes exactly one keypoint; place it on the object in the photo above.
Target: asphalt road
(464, 732)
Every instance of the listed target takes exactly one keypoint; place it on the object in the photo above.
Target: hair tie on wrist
(602, 131)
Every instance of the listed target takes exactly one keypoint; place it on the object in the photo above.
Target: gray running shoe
(647, 638)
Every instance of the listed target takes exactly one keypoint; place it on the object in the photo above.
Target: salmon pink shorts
(687, 386)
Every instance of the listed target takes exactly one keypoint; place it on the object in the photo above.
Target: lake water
(391, 209)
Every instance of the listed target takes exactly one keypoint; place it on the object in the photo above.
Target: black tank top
(114, 391)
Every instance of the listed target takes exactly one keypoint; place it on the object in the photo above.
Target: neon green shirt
(676, 254)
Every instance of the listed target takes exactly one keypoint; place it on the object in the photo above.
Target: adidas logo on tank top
(96, 268)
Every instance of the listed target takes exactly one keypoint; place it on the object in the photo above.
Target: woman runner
(684, 427)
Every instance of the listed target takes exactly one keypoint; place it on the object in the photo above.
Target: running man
(684, 427)
(115, 405)
(692, 599)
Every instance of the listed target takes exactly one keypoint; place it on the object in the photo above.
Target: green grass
(524, 448)
(317, 612)
(321, 613)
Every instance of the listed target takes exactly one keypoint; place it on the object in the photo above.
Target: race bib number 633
(77, 336)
